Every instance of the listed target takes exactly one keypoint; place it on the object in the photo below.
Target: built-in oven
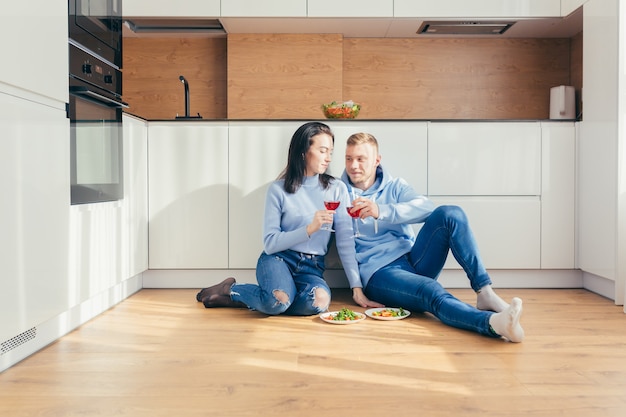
(97, 26)
(95, 100)
(96, 142)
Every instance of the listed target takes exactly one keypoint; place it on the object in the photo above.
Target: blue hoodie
(384, 240)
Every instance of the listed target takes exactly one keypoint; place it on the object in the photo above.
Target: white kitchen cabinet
(569, 6)
(350, 8)
(477, 8)
(136, 191)
(34, 216)
(493, 159)
(167, 8)
(507, 230)
(402, 145)
(558, 195)
(257, 155)
(267, 8)
(188, 195)
(34, 35)
(600, 176)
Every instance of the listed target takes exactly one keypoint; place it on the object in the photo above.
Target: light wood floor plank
(160, 353)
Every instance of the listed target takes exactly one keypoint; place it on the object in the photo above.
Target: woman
(290, 270)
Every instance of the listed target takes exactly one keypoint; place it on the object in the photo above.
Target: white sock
(488, 300)
(506, 323)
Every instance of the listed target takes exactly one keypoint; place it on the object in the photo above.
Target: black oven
(96, 143)
(95, 100)
(97, 26)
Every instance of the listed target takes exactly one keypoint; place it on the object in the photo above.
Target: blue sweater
(399, 206)
(287, 216)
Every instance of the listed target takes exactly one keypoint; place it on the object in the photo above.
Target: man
(399, 269)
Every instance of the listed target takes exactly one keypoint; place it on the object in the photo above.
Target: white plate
(327, 317)
(371, 311)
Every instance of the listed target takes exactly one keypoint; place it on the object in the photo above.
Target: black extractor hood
(469, 27)
(174, 25)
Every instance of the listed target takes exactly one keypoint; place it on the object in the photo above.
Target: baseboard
(599, 285)
(21, 346)
(450, 278)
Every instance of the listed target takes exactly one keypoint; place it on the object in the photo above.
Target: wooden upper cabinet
(168, 8)
(477, 8)
(266, 8)
(350, 8)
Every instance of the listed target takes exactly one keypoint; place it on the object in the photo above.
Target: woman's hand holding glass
(321, 218)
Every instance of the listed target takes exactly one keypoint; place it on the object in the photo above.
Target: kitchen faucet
(187, 116)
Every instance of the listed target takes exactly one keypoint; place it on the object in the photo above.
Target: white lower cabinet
(494, 159)
(515, 180)
(188, 195)
(558, 195)
(136, 191)
(257, 155)
(507, 229)
(402, 145)
(492, 171)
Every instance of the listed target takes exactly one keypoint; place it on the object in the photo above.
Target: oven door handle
(83, 91)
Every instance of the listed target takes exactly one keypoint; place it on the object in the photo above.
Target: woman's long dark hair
(294, 172)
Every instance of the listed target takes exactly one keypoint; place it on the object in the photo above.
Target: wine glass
(354, 215)
(331, 202)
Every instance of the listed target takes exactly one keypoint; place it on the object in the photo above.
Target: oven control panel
(89, 68)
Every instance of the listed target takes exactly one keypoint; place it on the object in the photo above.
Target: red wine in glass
(355, 222)
(331, 205)
(354, 214)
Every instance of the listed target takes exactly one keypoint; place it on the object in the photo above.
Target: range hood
(464, 27)
(159, 25)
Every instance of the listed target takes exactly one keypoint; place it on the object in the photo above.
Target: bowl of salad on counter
(346, 110)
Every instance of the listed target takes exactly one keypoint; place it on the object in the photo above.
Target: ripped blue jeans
(297, 275)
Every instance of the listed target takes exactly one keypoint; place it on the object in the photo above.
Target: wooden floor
(160, 353)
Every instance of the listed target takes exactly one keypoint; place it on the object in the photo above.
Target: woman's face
(319, 154)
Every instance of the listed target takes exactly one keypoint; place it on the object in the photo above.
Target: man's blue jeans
(411, 280)
(297, 275)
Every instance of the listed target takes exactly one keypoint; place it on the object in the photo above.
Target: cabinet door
(569, 6)
(484, 159)
(257, 155)
(477, 8)
(402, 145)
(188, 195)
(34, 35)
(350, 8)
(507, 230)
(182, 8)
(558, 195)
(34, 217)
(267, 8)
(136, 191)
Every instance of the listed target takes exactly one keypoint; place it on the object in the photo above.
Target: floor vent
(18, 340)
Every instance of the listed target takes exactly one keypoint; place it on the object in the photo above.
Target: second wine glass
(355, 215)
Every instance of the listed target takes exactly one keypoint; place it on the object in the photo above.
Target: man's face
(361, 163)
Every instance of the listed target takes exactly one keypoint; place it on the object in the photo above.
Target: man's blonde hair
(361, 138)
